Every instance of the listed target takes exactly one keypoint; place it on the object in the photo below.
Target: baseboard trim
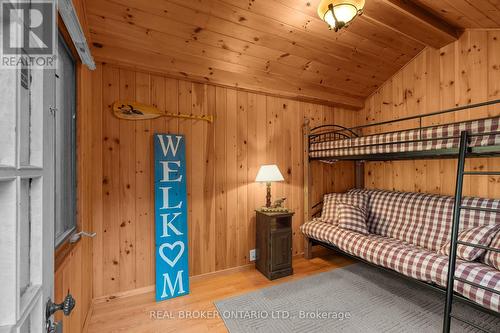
(123, 294)
(196, 278)
(223, 272)
(151, 288)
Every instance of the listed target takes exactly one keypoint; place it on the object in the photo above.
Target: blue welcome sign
(172, 278)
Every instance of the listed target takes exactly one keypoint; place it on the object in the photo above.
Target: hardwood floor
(137, 313)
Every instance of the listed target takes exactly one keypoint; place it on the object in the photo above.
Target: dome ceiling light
(340, 13)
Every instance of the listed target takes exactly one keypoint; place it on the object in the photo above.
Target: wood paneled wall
(467, 71)
(222, 161)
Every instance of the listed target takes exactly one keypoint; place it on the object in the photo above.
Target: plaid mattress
(410, 260)
(430, 138)
(422, 219)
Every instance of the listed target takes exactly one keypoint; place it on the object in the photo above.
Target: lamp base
(268, 195)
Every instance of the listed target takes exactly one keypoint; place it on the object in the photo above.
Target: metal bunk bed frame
(336, 132)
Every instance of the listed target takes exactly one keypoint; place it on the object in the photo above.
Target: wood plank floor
(134, 313)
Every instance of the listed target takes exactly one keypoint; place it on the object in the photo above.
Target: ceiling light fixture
(340, 13)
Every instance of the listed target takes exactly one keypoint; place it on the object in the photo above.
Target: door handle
(76, 237)
(66, 306)
(50, 308)
(52, 110)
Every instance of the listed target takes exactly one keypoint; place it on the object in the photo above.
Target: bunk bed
(458, 140)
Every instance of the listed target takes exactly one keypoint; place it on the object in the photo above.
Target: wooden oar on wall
(138, 111)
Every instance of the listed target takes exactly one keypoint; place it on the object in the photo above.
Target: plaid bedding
(422, 219)
(492, 258)
(478, 235)
(431, 138)
(410, 260)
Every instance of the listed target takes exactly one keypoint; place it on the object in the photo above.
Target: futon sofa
(406, 233)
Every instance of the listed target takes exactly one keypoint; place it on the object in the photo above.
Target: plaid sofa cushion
(492, 258)
(431, 138)
(423, 219)
(332, 200)
(351, 218)
(411, 260)
(478, 235)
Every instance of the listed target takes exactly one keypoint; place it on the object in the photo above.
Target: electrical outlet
(252, 255)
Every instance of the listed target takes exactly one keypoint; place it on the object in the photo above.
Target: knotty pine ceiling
(278, 47)
(475, 14)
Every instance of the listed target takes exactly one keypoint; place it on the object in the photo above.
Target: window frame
(61, 242)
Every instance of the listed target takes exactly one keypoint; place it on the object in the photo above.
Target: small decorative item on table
(276, 207)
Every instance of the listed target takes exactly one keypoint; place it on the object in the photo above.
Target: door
(281, 244)
(26, 197)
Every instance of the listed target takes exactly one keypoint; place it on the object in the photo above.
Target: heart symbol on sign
(171, 247)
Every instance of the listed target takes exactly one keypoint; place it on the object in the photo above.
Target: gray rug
(356, 298)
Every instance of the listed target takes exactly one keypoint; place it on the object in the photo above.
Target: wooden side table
(274, 244)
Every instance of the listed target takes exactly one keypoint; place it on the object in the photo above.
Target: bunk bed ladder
(458, 207)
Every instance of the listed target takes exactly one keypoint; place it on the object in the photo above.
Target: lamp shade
(269, 173)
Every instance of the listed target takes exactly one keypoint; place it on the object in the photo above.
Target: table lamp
(267, 174)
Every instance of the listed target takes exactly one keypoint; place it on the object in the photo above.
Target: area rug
(356, 298)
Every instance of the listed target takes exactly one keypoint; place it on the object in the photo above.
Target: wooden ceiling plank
(448, 13)
(209, 65)
(224, 14)
(307, 69)
(495, 3)
(470, 11)
(276, 46)
(192, 26)
(316, 71)
(218, 17)
(134, 58)
(412, 20)
(380, 34)
(489, 10)
(192, 33)
(214, 57)
(415, 24)
(398, 41)
(384, 41)
(363, 26)
(360, 50)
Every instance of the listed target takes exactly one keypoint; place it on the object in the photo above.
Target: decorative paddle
(138, 111)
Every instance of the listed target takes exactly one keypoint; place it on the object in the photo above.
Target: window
(65, 144)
